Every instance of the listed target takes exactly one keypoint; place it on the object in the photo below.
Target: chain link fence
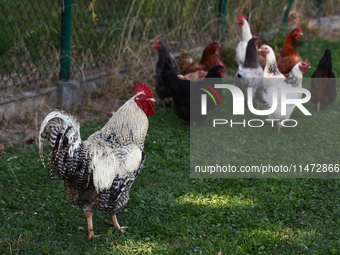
(108, 33)
(30, 39)
(31, 35)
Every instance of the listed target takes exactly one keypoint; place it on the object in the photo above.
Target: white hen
(246, 36)
(271, 73)
(264, 96)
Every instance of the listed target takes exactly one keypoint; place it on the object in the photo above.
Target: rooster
(164, 64)
(289, 56)
(323, 90)
(182, 99)
(208, 60)
(264, 96)
(98, 173)
(271, 73)
(246, 36)
(250, 73)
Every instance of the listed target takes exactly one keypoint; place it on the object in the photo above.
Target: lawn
(171, 213)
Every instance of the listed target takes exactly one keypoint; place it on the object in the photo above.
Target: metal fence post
(66, 30)
(320, 8)
(223, 15)
(285, 16)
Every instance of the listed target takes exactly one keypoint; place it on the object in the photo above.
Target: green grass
(169, 213)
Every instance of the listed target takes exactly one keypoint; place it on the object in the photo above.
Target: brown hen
(289, 56)
(208, 60)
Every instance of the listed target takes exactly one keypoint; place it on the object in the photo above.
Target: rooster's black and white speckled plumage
(99, 172)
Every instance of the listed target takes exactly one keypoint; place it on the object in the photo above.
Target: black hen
(164, 64)
(323, 90)
(182, 101)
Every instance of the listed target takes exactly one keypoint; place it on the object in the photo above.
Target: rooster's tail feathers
(55, 127)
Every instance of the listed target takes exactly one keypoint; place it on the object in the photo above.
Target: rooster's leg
(318, 106)
(90, 225)
(116, 224)
(163, 101)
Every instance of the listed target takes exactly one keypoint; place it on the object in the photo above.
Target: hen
(289, 56)
(264, 96)
(323, 91)
(250, 73)
(246, 36)
(98, 173)
(196, 76)
(164, 64)
(208, 60)
(181, 94)
(271, 73)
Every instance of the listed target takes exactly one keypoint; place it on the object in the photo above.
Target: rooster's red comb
(298, 29)
(140, 87)
(241, 16)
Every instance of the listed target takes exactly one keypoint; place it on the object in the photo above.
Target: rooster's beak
(151, 99)
(259, 50)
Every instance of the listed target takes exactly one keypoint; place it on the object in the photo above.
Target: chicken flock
(99, 172)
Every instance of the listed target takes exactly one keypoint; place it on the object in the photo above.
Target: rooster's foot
(115, 224)
(92, 235)
(90, 225)
(121, 229)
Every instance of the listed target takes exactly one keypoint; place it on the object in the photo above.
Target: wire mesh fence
(30, 38)
(31, 34)
(108, 33)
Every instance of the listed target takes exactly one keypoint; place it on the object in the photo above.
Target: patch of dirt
(333, 35)
(25, 130)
